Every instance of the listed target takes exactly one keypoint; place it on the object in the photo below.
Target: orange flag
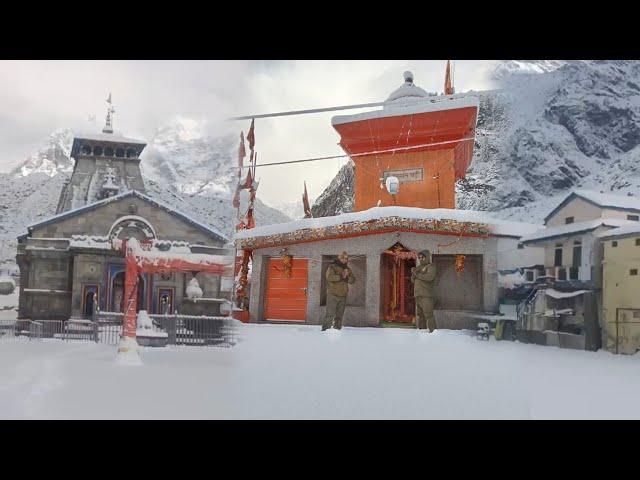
(241, 150)
(448, 86)
(251, 136)
(248, 182)
(305, 203)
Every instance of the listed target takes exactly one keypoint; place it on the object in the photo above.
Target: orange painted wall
(429, 193)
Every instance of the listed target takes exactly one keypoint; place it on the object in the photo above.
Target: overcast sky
(39, 96)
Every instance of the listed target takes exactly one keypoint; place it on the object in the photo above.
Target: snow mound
(128, 353)
(145, 326)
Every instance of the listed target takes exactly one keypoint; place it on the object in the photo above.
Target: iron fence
(31, 330)
(106, 328)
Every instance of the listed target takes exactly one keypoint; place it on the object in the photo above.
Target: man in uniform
(339, 276)
(423, 277)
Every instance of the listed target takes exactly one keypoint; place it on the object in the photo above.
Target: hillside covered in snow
(551, 127)
(181, 166)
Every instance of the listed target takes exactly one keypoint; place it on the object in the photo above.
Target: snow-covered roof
(422, 105)
(109, 137)
(407, 90)
(632, 229)
(158, 257)
(493, 226)
(560, 295)
(130, 193)
(549, 233)
(603, 200)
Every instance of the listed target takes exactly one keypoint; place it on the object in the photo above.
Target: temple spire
(108, 126)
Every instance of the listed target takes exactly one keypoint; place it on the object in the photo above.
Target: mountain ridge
(539, 135)
(181, 166)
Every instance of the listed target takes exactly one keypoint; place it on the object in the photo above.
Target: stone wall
(371, 247)
(99, 221)
(53, 275)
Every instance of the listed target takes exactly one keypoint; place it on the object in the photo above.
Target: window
(108, 152)
(562, 274)
(577, 253)
(568, 220)
(558, 257)
(529, 275)
(614, 243)
(633, 272)
(635, 218)
(97, 150)
(573, 273)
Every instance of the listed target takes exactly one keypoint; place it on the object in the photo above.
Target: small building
(381, 243)
(69, 262)
(569, 237)
(621, 289)
(408, 156)
(564, 306)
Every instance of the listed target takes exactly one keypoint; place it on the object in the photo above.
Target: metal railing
(174, 329)
(30, 330)
(565, 273)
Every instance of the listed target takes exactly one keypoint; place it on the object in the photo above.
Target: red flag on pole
(241, 150)
(251, 136)
(305, 203)
(248, 182)
(236, 198)
(448, 86)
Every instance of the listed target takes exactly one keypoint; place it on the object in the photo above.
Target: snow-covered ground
(298, 372)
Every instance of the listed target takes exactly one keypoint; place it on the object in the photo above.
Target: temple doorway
(117, 293)
(89, 300)
(398, 303)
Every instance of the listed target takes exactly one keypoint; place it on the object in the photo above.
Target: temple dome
(407, 90)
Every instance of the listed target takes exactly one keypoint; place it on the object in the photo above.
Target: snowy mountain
(511, 67)
(52, 158)
(181, 166)
(338, 197)
(197, 174)
(548, 129)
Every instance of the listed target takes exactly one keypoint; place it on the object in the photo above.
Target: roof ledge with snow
(105, 138)
(550, 233)
(382, 220)
(631, 230)
(408, 99)
(602, 200)
(130, 193)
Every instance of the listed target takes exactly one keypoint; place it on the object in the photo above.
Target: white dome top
(407, 90)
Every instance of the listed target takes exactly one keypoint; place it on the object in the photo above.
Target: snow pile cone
(128, 352)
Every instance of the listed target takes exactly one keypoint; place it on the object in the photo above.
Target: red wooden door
(286, 296)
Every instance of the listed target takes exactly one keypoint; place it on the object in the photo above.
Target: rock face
(338, 197)
(550, 127)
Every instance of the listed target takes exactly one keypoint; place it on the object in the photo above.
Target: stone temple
(69, 266)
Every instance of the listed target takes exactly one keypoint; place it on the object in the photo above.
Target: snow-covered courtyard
(298, 372)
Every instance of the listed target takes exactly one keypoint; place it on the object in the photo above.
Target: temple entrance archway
(398, 303)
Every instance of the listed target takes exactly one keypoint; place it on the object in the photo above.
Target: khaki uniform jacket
(424, 280)
(336, 285)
